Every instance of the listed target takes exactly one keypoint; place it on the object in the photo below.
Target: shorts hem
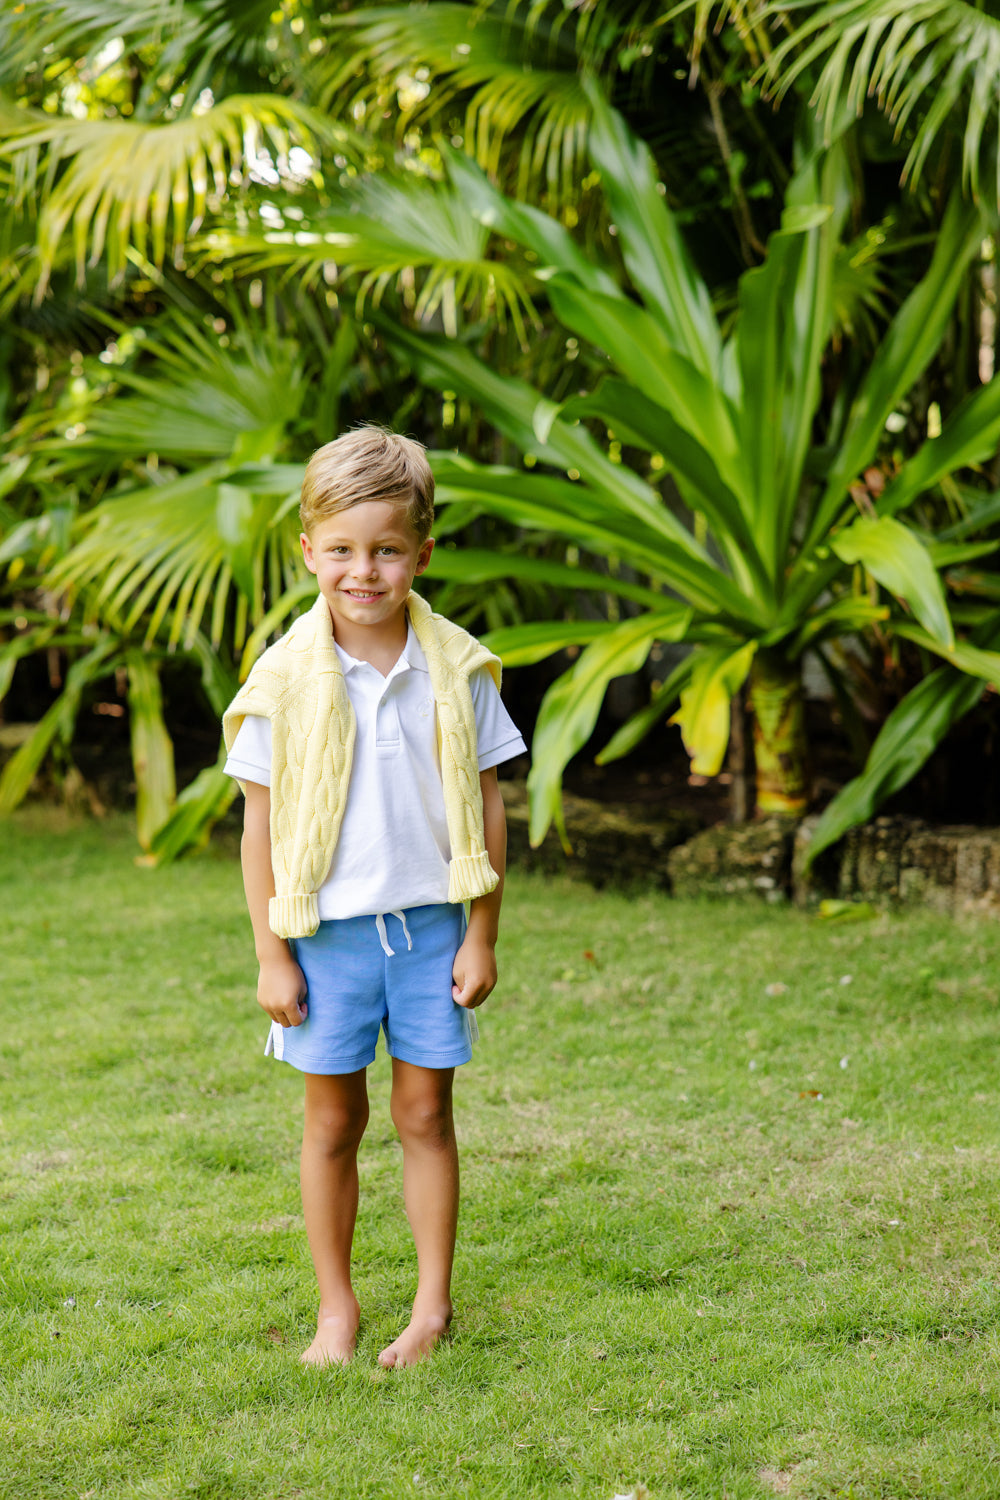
(452, 1059)
(325, 1067)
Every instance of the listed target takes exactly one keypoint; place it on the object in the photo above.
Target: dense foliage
(698, 371)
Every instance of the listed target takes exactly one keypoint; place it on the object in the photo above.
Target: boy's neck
(380, 645)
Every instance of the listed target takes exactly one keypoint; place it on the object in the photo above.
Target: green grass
(678, 1265)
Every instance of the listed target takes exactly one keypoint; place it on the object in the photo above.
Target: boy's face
(365, 558)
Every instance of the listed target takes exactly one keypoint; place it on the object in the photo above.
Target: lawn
(729, 1228)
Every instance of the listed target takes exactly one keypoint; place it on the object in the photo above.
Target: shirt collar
(411, 658)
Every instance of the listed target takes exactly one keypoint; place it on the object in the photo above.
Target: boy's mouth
(363, 594)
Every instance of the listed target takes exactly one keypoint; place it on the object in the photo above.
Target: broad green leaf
(644, 423)
(20, 540)
(528, 226)
(786, 318)
(473, 565)
(290, 601)
(638, 347)
(846, 616)
(717, 673)
(269, 479)
(220, 683)
(198, 808)
(542, 503)
(780, 392)
(635, 729)
(974, 660)
(985, 510)
(655, 254)
(908, 738)
(804, 217)
(12, 470)
(970, 436)
(903, 354)
(512, 406)
(56, 722)
(152, 748)
(570, 707)
(948, 554)
(900, 562)
(21, 646)
(235, 522)
(523, 645)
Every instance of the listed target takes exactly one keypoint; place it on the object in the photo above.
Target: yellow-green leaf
(703, 716)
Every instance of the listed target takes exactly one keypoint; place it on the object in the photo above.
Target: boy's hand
(474, 972)
(281, 991)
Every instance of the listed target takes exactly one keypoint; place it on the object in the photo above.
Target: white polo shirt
(393, 850)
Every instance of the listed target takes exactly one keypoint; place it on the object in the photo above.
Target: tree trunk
(736, 764)
(779, 735)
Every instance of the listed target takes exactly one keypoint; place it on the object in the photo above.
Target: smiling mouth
(363, 594)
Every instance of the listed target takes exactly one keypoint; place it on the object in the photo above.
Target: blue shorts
(393, 973)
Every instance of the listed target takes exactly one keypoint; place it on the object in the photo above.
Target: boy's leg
(422, 1113)
(336, 1114)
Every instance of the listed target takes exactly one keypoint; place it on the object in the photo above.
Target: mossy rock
(610, 845)
(745, 859)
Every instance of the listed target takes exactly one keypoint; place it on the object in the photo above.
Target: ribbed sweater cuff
(293, 916)
(471, 875)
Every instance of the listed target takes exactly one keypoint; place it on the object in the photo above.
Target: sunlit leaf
(717, 674)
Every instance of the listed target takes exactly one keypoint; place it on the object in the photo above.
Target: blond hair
(369, 463)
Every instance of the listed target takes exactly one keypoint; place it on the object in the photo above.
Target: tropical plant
(774, 559)
(153, 514)
(933, 68)
(178, 563)
(227, 140)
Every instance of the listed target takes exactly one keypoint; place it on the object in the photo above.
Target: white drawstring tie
(382, 936)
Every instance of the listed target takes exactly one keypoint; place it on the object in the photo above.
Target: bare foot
(336, 1335)
(417, 1340)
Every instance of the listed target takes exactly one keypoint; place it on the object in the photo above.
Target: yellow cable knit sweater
(299, 685)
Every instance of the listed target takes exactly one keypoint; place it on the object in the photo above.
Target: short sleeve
(497, 736)
(250, 757)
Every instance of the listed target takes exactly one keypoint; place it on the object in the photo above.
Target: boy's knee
(426, 1120)
(336, 1129)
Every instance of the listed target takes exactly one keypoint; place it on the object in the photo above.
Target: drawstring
(383, 938)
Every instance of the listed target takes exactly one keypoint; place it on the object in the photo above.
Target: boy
(367, 741)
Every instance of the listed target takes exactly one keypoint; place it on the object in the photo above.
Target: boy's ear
(424, 556)
(307, 551)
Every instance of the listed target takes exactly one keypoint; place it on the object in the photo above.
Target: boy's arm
(475, 969)
(281, 987)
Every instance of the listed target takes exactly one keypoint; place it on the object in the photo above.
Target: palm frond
(515, 69)
(190, 40)
(203, 398)
(228, 385)
(748, 18)
(129, 183)
(381, 231)
(927, 65)
(173, 557)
